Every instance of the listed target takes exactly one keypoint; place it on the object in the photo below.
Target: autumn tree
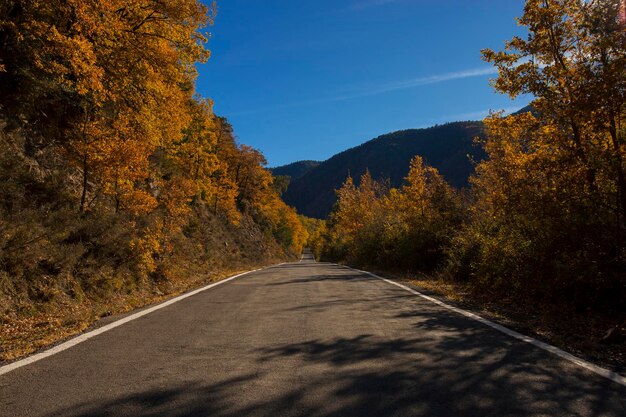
(429, 212)
(356, 207)
(105, 80)
(551, 196)
(401, 229)
(226, 191)
(99, 117)
(317, 235)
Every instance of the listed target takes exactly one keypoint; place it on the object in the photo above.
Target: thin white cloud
(383, 88)
(474, 115)
(420, 81)
(366, 4)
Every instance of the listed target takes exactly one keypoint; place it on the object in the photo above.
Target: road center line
(606, 373)
(88, 335)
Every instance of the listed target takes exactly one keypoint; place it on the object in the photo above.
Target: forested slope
(542, 226)
(295, 170)
(448, 147)
(118, 184)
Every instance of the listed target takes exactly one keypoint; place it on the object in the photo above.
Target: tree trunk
(621, 182)
(83, 197)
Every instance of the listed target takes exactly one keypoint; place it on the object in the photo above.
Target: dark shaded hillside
(447, 147)
(527, 109)
(295, 170)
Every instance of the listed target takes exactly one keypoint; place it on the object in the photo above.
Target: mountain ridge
(448, 147)
(294, 170)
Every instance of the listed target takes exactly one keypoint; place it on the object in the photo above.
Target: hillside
(448, 148)
(295, 170)
(119, 185)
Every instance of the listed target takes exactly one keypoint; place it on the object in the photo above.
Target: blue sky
(304, 79)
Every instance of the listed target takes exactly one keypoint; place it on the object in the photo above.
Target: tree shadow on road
(437, 363)
(455, 368)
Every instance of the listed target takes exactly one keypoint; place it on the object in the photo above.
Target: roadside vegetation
(543, 223)
(118, 183)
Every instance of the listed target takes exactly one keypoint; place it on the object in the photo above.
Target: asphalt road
(306, 339)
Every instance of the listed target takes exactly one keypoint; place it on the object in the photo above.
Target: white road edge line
(88, 335)
(613, 376)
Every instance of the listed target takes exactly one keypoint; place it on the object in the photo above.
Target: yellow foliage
(549, 212)
(395, 228)
(148, 246)
(108, 86)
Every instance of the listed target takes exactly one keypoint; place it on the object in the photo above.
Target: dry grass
(62, 270)
(24, 333)
(55, 289)
(579, 333)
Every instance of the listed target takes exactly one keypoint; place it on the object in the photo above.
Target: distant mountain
(527, 109)
(449, 148)
(295, 170)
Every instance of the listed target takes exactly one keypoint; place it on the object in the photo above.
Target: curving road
(306, 339)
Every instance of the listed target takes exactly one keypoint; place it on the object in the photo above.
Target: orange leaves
(550, 199)
(195, 152)
(108, 85)
(351, 209)
(127, 60)
(176, 196)
(427, 196)
(137, 202)
(148, 247)
(356, 207)
(396, 227)
(224, 198)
